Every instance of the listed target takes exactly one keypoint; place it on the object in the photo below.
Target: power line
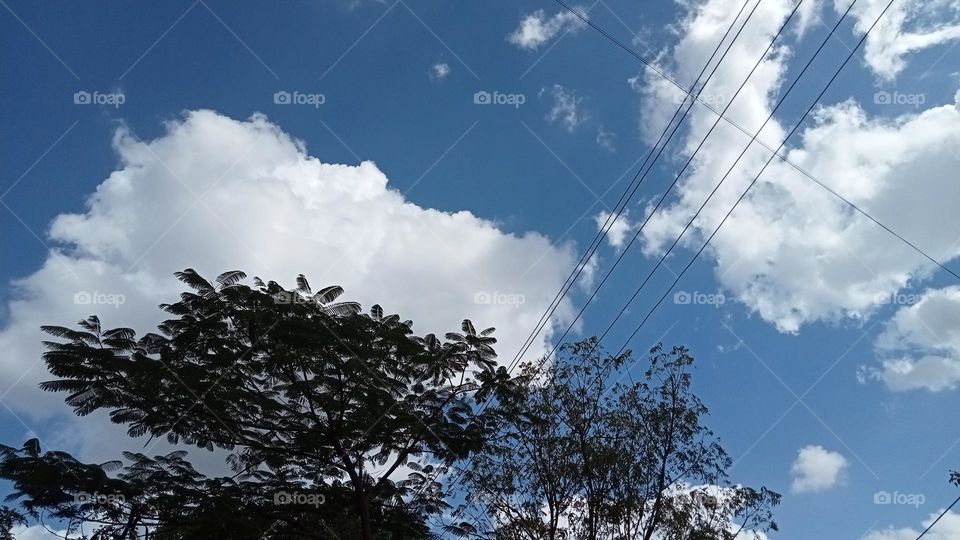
(683, 169)
(605, 228)
(757, 177)
(753, 138)
(634, 184)
(955, 501)
(770, 116)
(743, 130)
(628, 193)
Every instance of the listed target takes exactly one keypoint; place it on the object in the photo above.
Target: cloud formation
(816, 469)
(909, 26)
(215, 194)
(537, 28)
(606, 139)
(439, 71)
(920, 346)
(567, 108)
(791, 252)
(948, 528)
(617, 232)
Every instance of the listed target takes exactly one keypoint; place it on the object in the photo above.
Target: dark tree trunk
(366, 527)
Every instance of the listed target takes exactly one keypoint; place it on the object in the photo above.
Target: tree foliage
(585, 457)
(333, 421)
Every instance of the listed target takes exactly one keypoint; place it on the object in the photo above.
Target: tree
(583, 457)
(333, 421)
(9, 518)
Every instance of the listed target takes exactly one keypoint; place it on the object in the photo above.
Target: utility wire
(634, 184)
(757, 177)
(683, 169)
(743, 130)
(675, 128)
(753, 138)
(955, 501)
(770, 116)
(628, 193)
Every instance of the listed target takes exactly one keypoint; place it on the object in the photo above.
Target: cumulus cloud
(808, 14)
(536, 28)
(617, 233)
(948, 528)
(268, 207)
(920, 346)
(908, 26)
(816, 469)
(791, 252)
(567, 109)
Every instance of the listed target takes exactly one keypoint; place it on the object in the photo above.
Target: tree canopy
(588, 457)
(332, 421)
(338, 424)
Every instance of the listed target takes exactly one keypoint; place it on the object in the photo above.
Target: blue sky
(799, 354)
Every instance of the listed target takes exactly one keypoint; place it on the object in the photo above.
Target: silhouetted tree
(9, 518)
(586, 458)
(333, 421)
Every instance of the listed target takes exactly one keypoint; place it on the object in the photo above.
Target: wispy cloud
(439, 71)
(536, 28)
(567, 109)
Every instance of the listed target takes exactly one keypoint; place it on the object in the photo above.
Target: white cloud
(948, 528)
(816, 469)
(536, 28)
(606, 139)
(39, 532)
(567, 109)
(617, 233)
(920, 347)
(808, 14)
(723, 497)
(791, 252)
(274, 211)
(908, 26)
(439, 71)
